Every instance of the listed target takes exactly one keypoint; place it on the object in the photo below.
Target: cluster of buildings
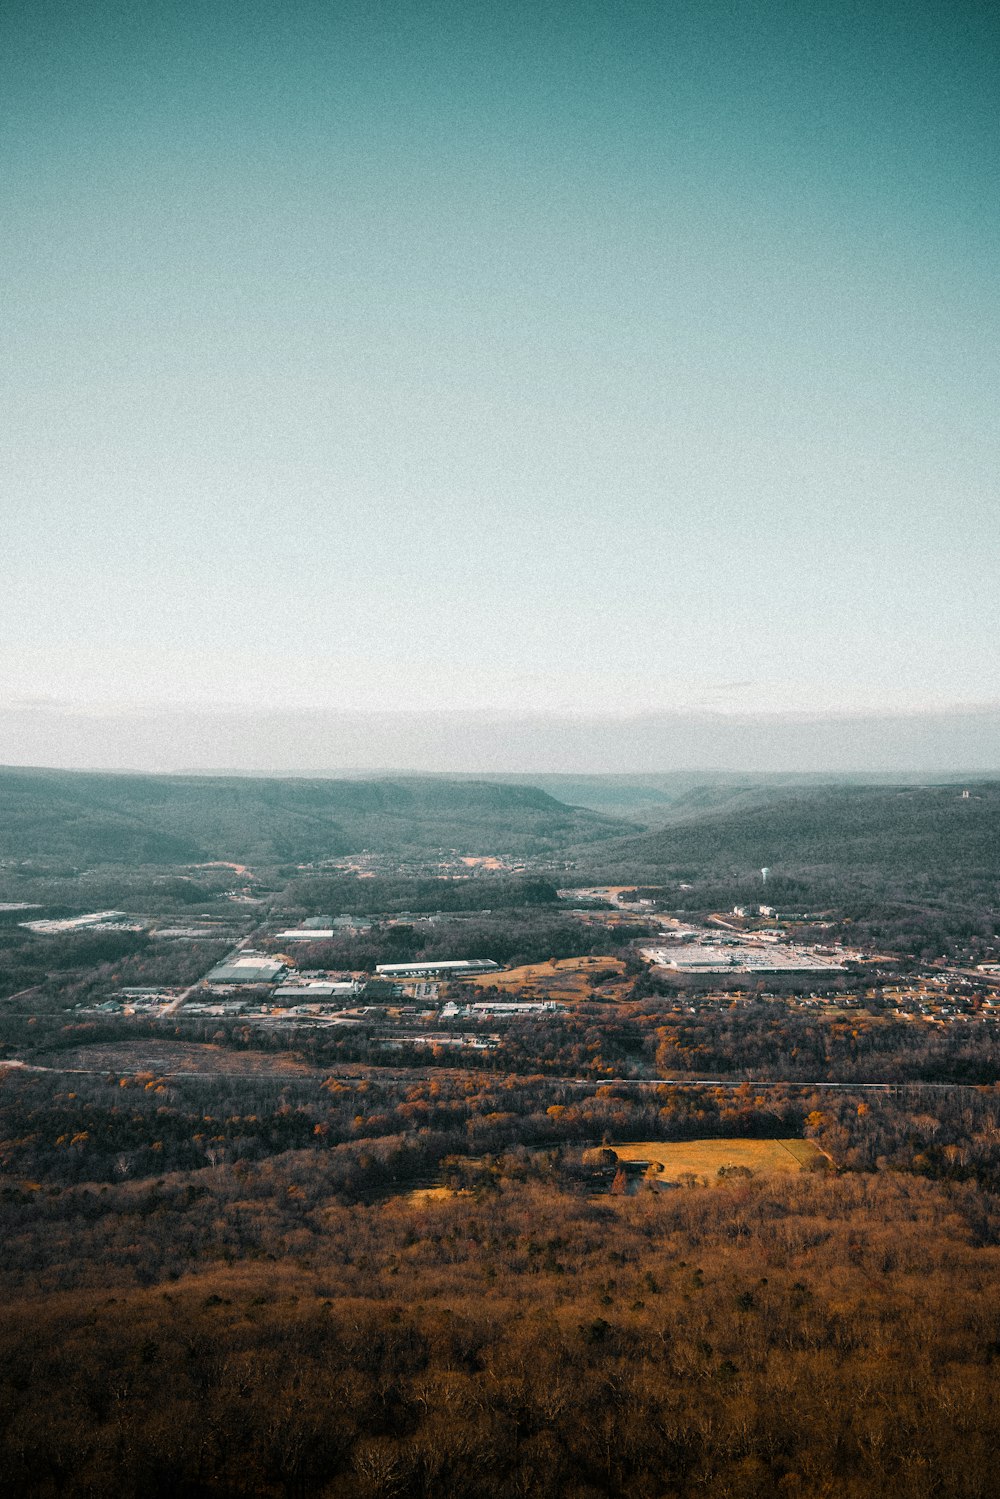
(206, 930)
(485, 1009)
(710, 952)
(324, 928)
(96, 921)
(310, 987)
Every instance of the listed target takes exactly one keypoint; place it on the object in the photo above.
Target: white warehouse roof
(454, 966)
(306, 934)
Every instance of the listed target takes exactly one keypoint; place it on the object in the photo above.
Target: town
(334, 971)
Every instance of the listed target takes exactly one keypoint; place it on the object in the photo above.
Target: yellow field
(566, 978)
(702, 1158)
(420, 1196)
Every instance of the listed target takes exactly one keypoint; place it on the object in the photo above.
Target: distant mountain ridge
(673, 796)
(109, 818)
(318, 742)
(659, 800)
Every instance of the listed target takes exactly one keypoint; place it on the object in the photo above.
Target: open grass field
(421, 1196)
(702, 1158)
(184, 1058)
(563, 979)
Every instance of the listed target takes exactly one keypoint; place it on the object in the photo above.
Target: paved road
(728, 1082)
(565, 1082)
(175, 1004)
(22, 994)
(151, 1069)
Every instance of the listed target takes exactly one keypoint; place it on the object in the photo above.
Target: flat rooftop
(246, 969)
(693, 957)
(77, 923)
(453, 966)
(317, 990)
(306, 934)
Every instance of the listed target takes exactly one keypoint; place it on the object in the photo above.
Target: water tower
(763, 876)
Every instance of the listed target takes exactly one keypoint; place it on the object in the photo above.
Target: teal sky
(548, 357)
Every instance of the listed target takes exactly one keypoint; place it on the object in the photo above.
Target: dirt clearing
(560, 979)
(181, 1057)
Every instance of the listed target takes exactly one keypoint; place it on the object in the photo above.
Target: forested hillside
(96, 818)
(658, 800)
(240, 1290)
(904, 841)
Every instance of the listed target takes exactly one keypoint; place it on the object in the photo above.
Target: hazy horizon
(314, 743)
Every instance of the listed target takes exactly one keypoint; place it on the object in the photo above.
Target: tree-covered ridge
(926, 837)
(98, 818)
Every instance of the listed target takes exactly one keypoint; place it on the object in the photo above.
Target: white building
(101, 920)
(317, 989)
(307, 934)
(455, 968)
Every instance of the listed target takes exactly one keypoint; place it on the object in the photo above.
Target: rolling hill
(904, 840)
(89, 818)
(678, 796)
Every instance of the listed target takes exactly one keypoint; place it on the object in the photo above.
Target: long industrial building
(694, 957)
(455, 968)
(96, 920)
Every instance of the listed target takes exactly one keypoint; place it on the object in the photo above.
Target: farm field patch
(703, 1158)
(421, 1196)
